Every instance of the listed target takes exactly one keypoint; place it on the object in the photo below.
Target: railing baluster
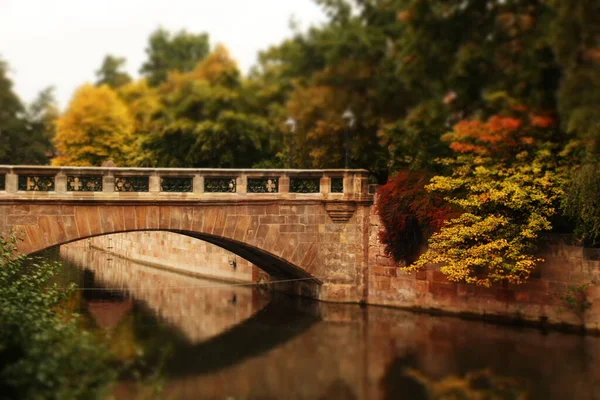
(108, 182)
(60, 180)
(198, 184)
(154, 183)
(12, 182)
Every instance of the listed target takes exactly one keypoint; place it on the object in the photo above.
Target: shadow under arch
(274, 325)
(268, 262)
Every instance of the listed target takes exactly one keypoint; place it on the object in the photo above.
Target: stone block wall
(538, 301)
(175, 252)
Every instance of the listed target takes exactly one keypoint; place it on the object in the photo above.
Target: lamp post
(350, 119)
(291, 125)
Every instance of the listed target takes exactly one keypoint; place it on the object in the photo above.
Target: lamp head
(291, 124)
(349, 117)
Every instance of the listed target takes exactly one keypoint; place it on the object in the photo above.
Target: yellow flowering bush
(507, 188)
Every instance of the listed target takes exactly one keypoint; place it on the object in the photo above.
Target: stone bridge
(311, 225)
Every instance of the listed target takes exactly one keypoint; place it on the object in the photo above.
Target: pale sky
(61, 43)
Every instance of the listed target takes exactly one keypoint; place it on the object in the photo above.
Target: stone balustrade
(85, 183)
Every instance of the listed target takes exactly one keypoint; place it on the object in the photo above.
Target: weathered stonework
(537, 301)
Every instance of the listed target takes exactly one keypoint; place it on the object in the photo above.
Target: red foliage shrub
(409, 214)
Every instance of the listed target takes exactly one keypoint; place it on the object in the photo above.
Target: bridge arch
(249, 232)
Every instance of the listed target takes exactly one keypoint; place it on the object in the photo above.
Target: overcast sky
(61, 43)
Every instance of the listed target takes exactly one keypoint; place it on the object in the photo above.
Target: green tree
(25, 132)
(173, 52)
(203, 122)
(41, 116)
(111, 72)
(12, 127)
(575, 36)
(145, 106)
(321, 73)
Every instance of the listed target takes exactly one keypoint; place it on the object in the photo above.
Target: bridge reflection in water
(199, 308)
(226, 341)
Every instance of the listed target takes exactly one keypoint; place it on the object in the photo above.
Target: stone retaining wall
(538, 301)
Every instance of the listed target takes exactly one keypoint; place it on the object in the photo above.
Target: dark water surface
(215, 341)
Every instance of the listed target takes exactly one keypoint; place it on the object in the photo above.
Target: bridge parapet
(170, 184)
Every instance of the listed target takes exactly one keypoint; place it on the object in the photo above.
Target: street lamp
(350, 119)
(291, 125)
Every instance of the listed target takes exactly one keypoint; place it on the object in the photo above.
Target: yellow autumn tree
(96, 127)
(218, 68)
(145, 106)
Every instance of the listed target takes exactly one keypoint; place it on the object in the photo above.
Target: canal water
(199, 339)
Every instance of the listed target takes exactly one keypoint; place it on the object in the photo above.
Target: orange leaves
(499, 124)
(495, 136)
(543, 121)
(467, 148)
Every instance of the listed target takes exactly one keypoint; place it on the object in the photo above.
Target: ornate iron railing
(305, 185)
(36, 183)
(132, 184)
(111, 183)
(337, 185)
(84, 183)
(220, 185)
(263, 185)
(176, 185)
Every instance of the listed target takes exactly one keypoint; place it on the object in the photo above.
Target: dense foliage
(504, 180)
(26, 131)
(200, 120)
(44, 353)
(97, 126)
(172, 52)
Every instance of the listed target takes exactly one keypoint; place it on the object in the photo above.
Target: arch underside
(275, 266)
